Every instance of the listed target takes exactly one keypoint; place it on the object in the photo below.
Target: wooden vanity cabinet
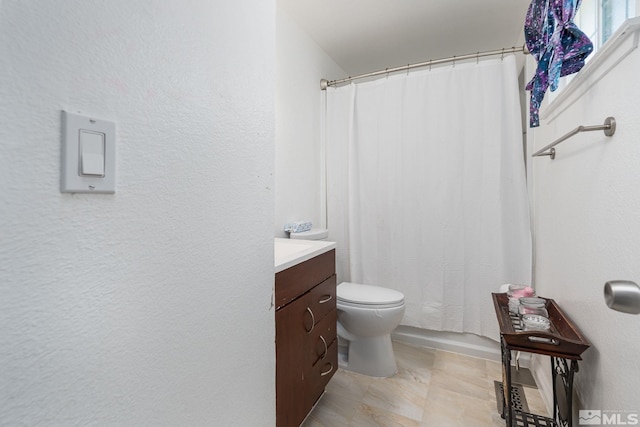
(306, 343)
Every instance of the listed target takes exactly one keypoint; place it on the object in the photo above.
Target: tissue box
(297, 227)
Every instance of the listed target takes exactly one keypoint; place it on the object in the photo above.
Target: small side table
(564, 343)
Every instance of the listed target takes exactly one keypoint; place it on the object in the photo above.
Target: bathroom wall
(586, 205)
(138, 308)
(301, 63)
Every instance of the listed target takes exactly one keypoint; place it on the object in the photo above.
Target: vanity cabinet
(306, 344)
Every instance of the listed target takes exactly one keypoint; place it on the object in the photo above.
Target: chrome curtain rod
(609, 128)
(324, 83)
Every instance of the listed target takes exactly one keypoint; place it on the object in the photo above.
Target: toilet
(366, 317)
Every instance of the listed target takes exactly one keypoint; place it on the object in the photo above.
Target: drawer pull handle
(313, 321)
(322, 374)
(326, 349)
(544, 340)
(326, 299)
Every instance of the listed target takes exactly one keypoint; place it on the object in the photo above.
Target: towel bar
(609, 128)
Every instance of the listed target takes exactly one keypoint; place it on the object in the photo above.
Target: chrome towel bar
(609, 128)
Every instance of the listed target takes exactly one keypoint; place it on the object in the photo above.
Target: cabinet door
(293, 324)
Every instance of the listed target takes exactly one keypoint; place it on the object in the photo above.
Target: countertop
(288, 252)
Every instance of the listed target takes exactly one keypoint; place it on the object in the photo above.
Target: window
(599, 19)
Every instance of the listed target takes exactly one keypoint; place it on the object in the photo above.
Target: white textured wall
(301, 63)
(587, 225)
(150, 306)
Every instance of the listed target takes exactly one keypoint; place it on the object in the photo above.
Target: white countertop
(289, 252)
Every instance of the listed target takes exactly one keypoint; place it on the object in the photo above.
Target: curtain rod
(324, 83)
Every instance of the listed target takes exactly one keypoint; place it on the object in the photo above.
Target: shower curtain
(426, 190)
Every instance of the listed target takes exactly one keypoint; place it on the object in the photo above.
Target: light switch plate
(72, 180)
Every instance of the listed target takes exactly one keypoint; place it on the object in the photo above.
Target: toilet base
(371, 356)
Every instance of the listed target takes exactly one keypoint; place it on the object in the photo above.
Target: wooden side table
(564, 343)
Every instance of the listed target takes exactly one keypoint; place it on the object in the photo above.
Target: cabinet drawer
(323, 298)
(323, 371)
(297, 280)
(321, 338)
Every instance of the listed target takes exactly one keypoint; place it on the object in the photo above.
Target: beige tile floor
(432, 388)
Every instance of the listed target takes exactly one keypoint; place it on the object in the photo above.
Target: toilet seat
(357, 295)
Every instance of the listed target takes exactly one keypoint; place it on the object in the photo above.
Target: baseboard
(462, 343)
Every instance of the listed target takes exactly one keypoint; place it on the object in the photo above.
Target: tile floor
(432, 388)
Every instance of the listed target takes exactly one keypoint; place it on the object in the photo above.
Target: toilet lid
(367, 294)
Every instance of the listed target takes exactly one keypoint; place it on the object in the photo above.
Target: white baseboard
(462, 343)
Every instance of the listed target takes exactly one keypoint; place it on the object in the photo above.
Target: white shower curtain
(426, 190)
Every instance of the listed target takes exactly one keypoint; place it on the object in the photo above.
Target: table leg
(507, 412)
(562, 372)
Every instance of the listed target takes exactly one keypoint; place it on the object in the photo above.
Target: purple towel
(558, 45)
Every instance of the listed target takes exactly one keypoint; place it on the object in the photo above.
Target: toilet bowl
(366, 317)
